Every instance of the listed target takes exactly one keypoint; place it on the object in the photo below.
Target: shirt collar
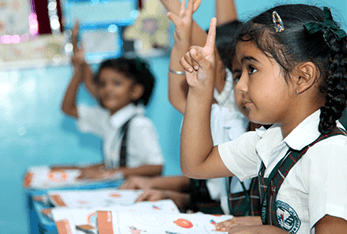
(271, 140)
(305, 133)
(124, 114)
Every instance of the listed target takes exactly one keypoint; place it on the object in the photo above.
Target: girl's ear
(307, 76)
(137, 92)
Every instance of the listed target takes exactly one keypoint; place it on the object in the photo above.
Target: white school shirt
(314, 187)
(142, 144)
(227, 124)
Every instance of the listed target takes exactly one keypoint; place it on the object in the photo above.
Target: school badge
(287, 217)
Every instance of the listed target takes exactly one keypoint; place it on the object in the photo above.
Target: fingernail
(196, 67)
(190, 70)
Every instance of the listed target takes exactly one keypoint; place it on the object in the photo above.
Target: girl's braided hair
(326, 47)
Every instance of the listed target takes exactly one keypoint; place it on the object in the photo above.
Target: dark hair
(295, 45)
(225, 34)
(134, 68)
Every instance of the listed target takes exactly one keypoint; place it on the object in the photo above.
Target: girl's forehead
(247, 49)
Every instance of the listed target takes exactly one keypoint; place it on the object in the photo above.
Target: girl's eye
(252, 70)
(236, 78)
(117, 83)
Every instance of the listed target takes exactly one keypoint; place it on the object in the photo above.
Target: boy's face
(115, 90)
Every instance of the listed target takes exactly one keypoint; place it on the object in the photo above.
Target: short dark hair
(136, 69)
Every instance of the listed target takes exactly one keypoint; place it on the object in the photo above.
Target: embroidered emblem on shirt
(287, 217)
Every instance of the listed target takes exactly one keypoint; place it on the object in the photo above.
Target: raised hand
(199, 62)
(183, 22)
(78, 51)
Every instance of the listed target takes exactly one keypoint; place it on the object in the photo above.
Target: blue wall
(33, 131)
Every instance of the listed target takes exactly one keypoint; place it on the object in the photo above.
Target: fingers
(186, 62)
(183, 7)
(211, 37)
(196, 5)
(74, 36)
(190, 7)
(174, 18)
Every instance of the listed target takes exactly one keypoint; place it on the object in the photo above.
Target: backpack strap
(269, 187)
(124, 144)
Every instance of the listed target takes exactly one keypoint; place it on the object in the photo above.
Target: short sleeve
(92, 119)
(325, 178)
(240, 156)
(144, 142)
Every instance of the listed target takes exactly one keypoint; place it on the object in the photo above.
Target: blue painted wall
(33, 131)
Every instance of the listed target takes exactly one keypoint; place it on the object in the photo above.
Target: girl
(293, 77)
(122, 86)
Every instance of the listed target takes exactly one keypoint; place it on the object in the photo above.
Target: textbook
(83, 220)
(92, 198)
(121, 222)
(44, 177)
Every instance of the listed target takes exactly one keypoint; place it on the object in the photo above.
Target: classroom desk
(39, 223)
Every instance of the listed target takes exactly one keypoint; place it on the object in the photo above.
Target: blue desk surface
(39, 223)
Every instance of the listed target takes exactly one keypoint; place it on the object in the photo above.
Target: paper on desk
(92, 198)
(79, 221)
(121, 222)
(43, 177)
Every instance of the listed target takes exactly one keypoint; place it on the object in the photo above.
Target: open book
(43, 177)
(92, 198)
(80, 221)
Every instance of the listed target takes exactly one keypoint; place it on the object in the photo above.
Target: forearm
(69, 101)
(178, 86)
(225, 11)
(88, 79)
(180, 199)
(145, 170)
(176, 183)
(196, 139)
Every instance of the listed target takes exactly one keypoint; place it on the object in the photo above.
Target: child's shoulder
(142, 121)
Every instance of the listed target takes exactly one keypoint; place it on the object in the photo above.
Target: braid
(335, 84)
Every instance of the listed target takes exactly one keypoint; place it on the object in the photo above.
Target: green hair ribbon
(329, 25)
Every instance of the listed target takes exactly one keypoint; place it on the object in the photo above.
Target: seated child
(123, 87)
(293, 77)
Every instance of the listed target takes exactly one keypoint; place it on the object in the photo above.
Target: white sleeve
(144, 140)
(91, 119)
(240, 156)
(326, 179)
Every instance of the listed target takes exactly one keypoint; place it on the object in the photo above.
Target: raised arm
(225, 11)
(178, 86)
(199, 159)
(69, 101)
(79, 52)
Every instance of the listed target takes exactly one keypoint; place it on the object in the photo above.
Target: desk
(39, 223)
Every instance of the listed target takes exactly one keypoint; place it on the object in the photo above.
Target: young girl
(122, 86)
(293, 77)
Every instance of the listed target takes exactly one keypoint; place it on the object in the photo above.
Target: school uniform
(316, 184)
(227, 124)
(142, 141)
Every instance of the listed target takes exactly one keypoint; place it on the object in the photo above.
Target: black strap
(123, 146)
(270, 186)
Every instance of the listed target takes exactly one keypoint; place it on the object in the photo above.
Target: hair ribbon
(329, 25)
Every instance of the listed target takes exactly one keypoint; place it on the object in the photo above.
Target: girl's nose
(241, 86)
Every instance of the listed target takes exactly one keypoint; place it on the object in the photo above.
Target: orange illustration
(57, 176)
(115, 195)
(183, 223)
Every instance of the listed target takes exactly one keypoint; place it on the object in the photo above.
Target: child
(293, 77)
(228, 123)
(122, 86)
